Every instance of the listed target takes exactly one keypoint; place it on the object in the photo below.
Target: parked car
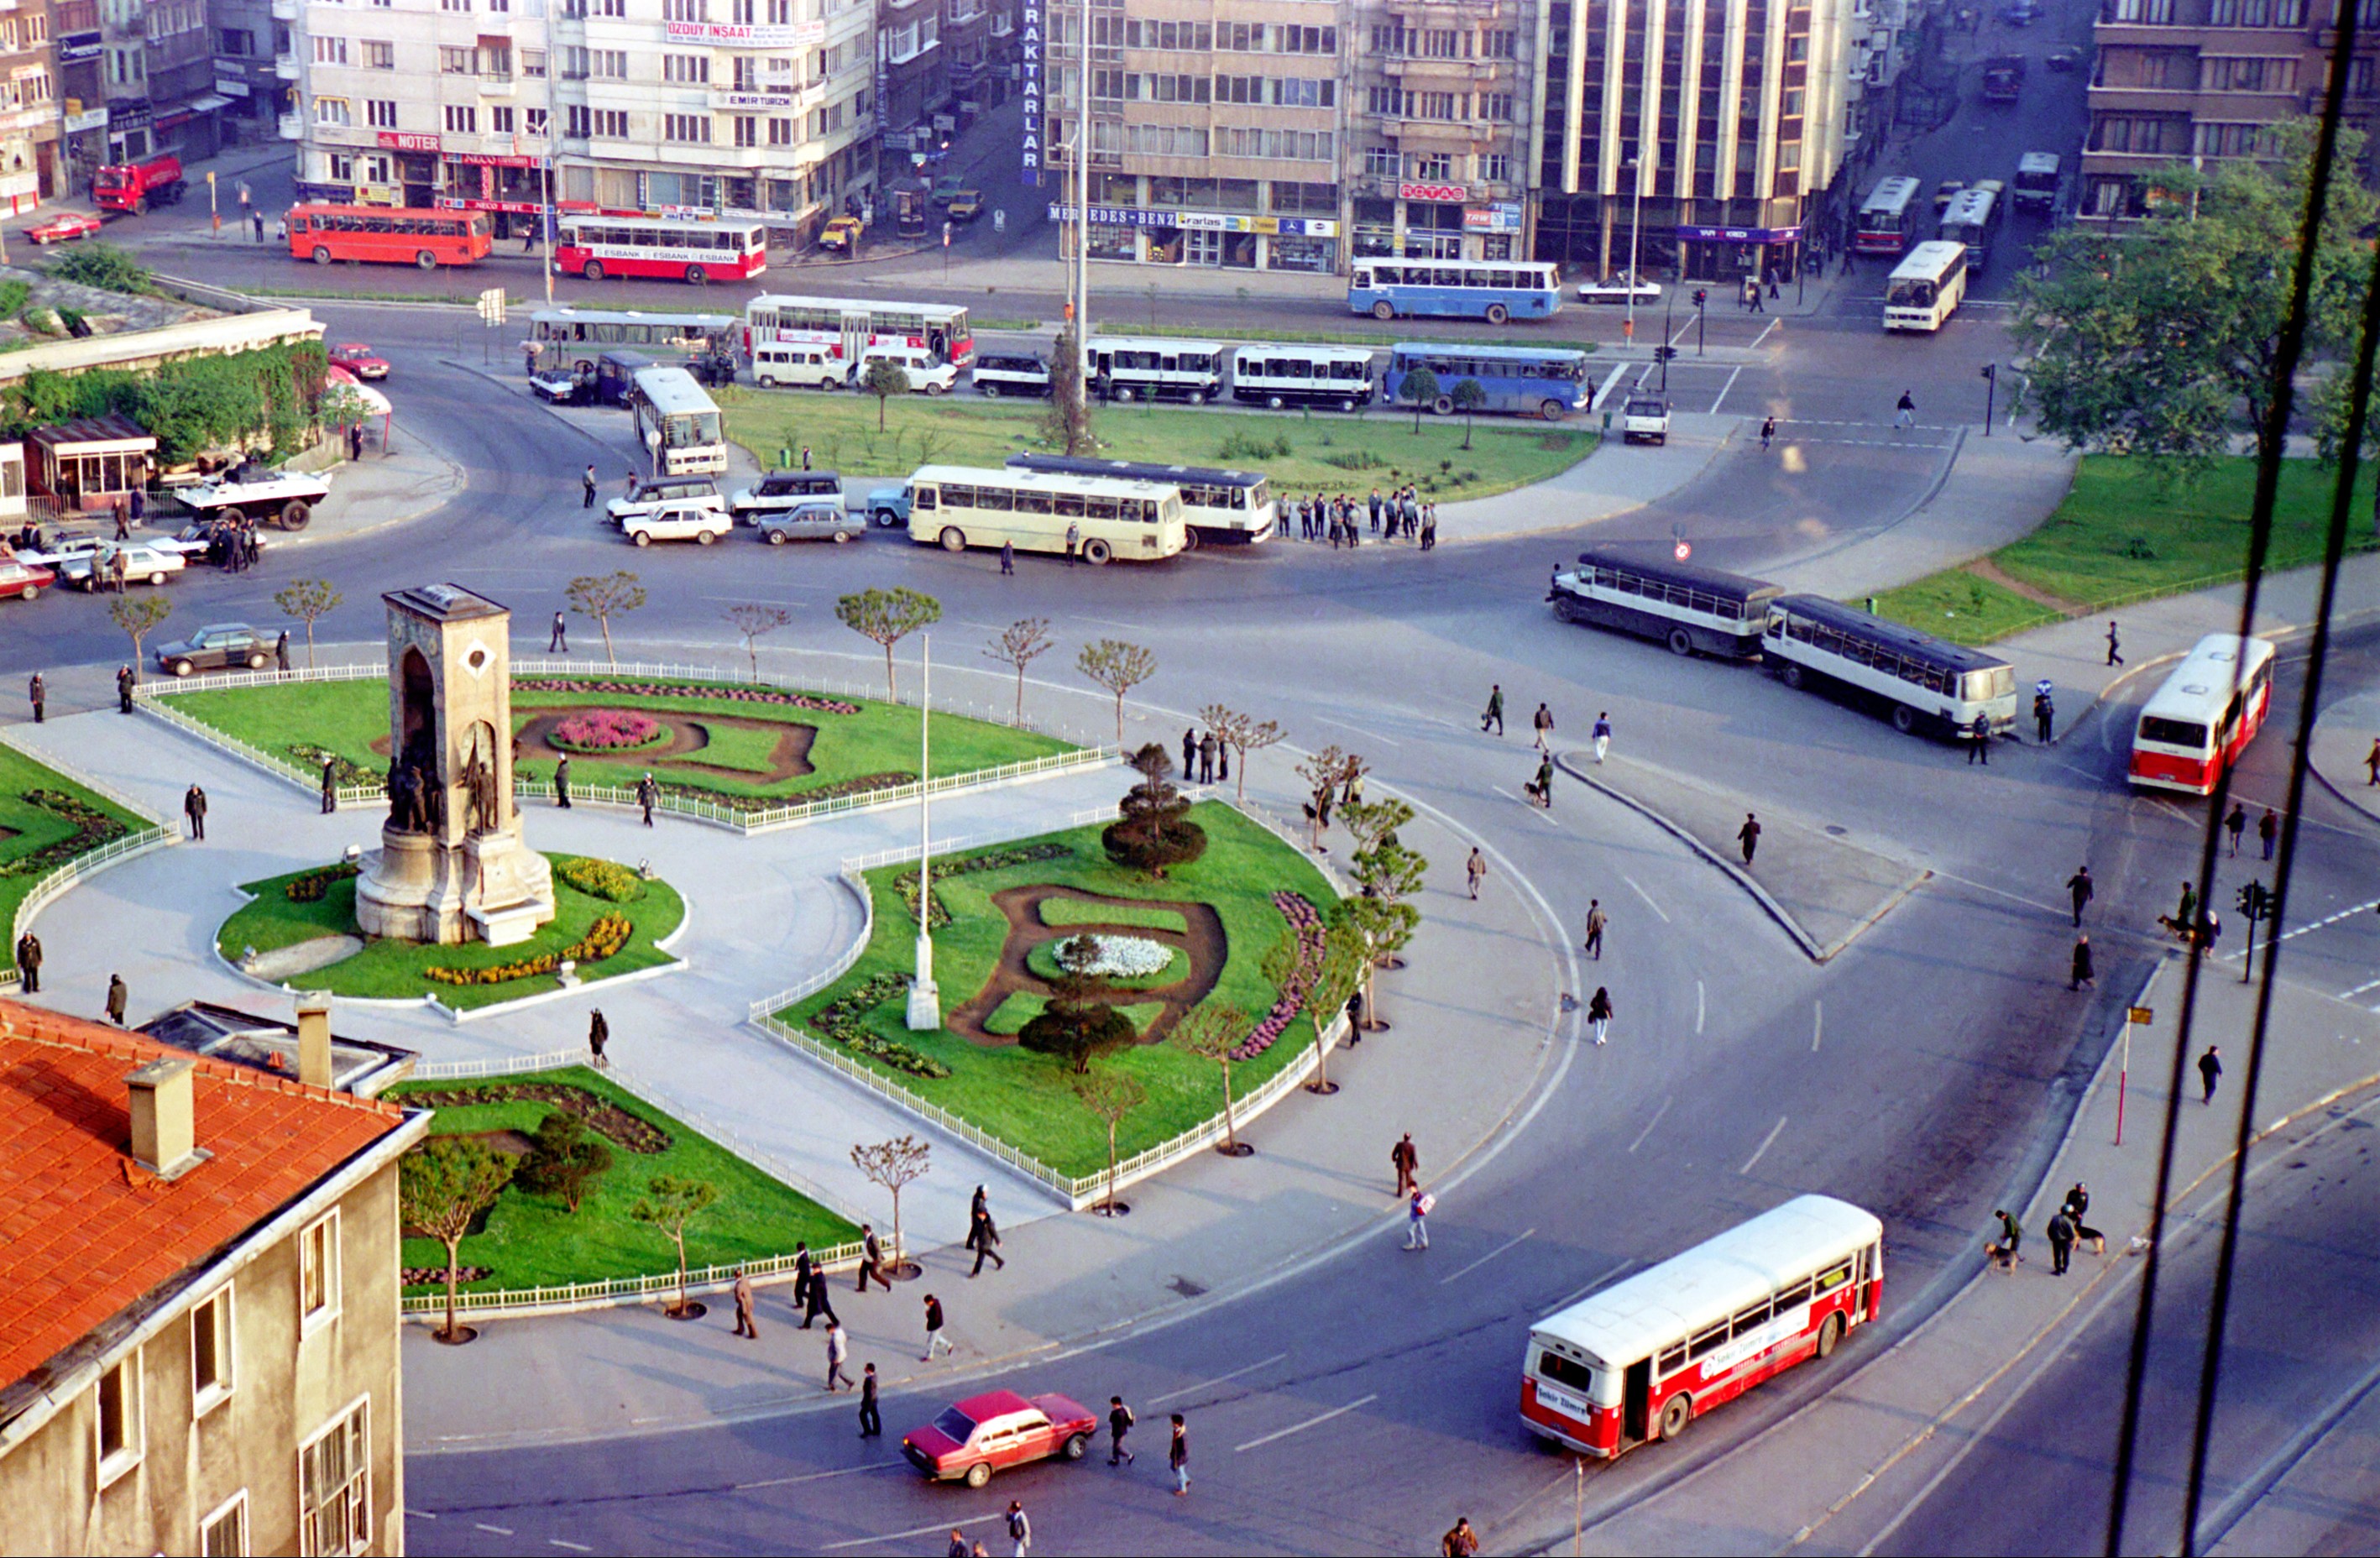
(1618, 290)
(2020, 13)
(658, 493)
(887, 506)
(926, 375)
(996, 375)
(778, 490)
(1644, 419)
(358, 359)
(842, 234)
(23, 579)
(966, 205)
(947, 187)
(213, 647)
(696, 523)
(144, 563)
(817, 519)
(2063, 60)
(563, 387)
(998, 1430)
(1946, 191)
(64, 227)
(196, 541)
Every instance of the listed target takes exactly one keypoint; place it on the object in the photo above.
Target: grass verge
(39, 839)
(1962, 607)
(534, 1240)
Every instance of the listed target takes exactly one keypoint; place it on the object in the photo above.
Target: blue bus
(1495, 290)
(1526, 380)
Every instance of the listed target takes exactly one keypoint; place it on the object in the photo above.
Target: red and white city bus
(595, 246)
(1640, 1360)
(1889, 217)
(2201, 719)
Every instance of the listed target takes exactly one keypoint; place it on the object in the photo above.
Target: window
(1499, 46)
(331, 111)
(686, 69)
(1749, 1320)
(329, 51)
(1495, 167)
(533, 64)
(119, 1419)
(781, 132)
(747, 130)
(1495, 107)
(2256, 13)
(576, 123)
(1380, 162)
(224, 1534)
(1430, 167)
(379, 55)
(236, 41)
(2148, 13)
(611, 123)
(454, 4)
(342, 165)
(500, 120)
(462, 119)
(687, 129)
(574, 63)
(536, 122)
(2221, 74)
(1708, 1341)
(380, 111)
(608, 65)
(458, 62)
(335, 1486)
(2225, 140)
(318, 1248)
(686, 10)
(1565, 1371)
(608, 8)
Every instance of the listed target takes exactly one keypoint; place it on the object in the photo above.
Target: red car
(65, 226)
(996, 1431)
(22, 580)
(358, 359)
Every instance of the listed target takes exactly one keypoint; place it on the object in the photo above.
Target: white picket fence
(49, 888)
(497, 1065)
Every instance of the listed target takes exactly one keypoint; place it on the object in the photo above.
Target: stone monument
(451, 867)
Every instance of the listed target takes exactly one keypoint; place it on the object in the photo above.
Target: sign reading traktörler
(1028, 59)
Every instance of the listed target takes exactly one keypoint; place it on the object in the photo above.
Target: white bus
(1285, 376)
(958, 506)
(579, 337)
(1693, 608)
(1926, 288)
(849, 326)
(1888, 218)
(1919, 681)
(1233, 507)
(1973, 218)
(1126, 368)
(676, 422)
(1644, 1358)
(2198, 722)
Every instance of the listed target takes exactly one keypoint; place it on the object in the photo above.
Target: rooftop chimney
(165, 1139)
(314, 1038)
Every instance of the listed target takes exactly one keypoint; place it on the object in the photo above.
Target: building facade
(78, 46)
(203, 1290)
(1440, 112)
(31, 157)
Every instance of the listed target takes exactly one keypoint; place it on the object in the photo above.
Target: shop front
(1436, 222)
(1207, 239)
(1732, 256)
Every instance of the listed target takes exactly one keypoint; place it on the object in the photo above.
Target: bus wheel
(697, 276)
(1499, 315)
(953, 539)
(1347, 405)
(1120, 394)
(1793, 676)
(425, 260)
(1096, 553)
(1384, 310)
(1680, 641)
(1442, 406)
(1675, 1413)
(1553, 410)
(592, 270)
(321, 254)
(989, 392)
(1904, 718)
(1189, 539)
(294, 515)
(1829, 1333)
(1275, 402)
(1195, 397)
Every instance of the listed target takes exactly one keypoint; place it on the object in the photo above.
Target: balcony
(1441, 132)
(288, 68)
(286, 10)
(293, 127)
(1457, 71)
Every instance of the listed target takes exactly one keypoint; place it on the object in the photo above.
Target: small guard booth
(88, 465)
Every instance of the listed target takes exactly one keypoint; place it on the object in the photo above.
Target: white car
(1617, 289)
(1645, 417)
(697, 524)
(144, 563)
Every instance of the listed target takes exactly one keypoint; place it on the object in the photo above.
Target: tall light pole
(1636, 229)
(1083, 222)
(925, 1000)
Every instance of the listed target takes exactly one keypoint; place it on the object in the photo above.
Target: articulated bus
(849, 326)
(1695, 610)
(697, 252)
(1279, 377)
(677, 423)
(958, 506)
(1646, 1356)
(1920, 681)
(1973, 219)
(2198, 722)
(1227, 506)
(1495, 290)
(1926, 288)
(579, 337)
(388, 235)
(1888, 218)
(1546, 381)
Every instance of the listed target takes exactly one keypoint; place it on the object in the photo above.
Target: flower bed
(603, 1117)
(602, 879)
(865, 783)
(310, 887)
(667, 689)
(1306, 921)
(906, 882)
(840, 1021)
(605, 937)
(92, 828)
(343, 771)
(604, 731)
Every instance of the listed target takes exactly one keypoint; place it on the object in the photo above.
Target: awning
(365, 395)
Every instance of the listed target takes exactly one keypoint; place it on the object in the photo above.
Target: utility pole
(925, 1013)
(1083, 222)
(1991, 383)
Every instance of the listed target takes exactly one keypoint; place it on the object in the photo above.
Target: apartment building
(251, 47)
(158, 75)
(1440, 116)
(200, 1264)
(28, 108)
(748, 106)
(1707, 134)
(78, 49)
(2177, 80)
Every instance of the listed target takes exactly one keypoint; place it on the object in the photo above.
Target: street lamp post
(1991, 384)
(1635, 230)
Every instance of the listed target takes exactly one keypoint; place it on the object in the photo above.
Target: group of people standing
(1339, 518)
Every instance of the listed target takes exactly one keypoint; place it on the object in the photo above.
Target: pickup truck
(285, 497)
(1645, 417)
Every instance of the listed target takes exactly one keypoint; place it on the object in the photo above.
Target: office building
(30, 153)
(1440, 117)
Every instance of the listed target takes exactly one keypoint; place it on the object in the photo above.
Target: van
(657, 493)
(996, 375)
(800, 365)
(780, 489)
(926, 375)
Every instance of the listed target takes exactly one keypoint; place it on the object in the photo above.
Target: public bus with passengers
(1279, 377)
(670, 248)
(2203, 715)
(958, 506)
(388, 235)
(1546, 381)
(577, 336)
(1229, 508)
(1973, 218)
(1644, 1358)
(676, 422)
(849, 326)
(1495, 290)
(1920, 681)
(1646, 592)
(1927, 286)
(1131, 368)
(1888, 218)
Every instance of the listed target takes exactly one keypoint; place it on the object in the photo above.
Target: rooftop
(269, 1044)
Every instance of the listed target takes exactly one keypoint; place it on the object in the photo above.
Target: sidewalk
(2343, 738)
(384, 489)
(1617, 478)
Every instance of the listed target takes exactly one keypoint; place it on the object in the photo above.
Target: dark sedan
(216, 648)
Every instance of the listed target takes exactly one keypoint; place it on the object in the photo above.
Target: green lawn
(1074, 911)
(393, 970)
(2123, 534)
(1325, 452)
(879, 742)
(1026, 1099)
(40, 839)
(529, 1240)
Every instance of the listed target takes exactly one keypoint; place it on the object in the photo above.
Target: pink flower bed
(664, 689)
(1308, 923)
(607, 730)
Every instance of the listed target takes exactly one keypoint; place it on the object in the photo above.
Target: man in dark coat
(982, 1235)
(871, 1423)
(1979, 737)
(1748, 835)
(1405, 1157)
(2077, 887)
(1495, 715)
(2210, 1070)
(2083, 974)
(558, 642)
(29, 962)
(116, 996)
(871, 1258)
(280, 651)
(39, 693)
(2062, 1243)
(194, 807)
(330, 783)
(1207, 759)
(562, 784)
(125, 682)
(1189, 757)
(649, 795)
(599, 1033)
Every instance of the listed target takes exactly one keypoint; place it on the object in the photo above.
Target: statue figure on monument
(433, 803)
(479, 786)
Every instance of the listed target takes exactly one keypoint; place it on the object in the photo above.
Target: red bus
(1639, 1360)
(668, 247)
(387, 235)
(2203, 718)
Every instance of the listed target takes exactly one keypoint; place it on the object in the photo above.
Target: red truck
(135, 186)
(2004, 79)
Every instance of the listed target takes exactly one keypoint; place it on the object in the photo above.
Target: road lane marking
(1698, 1006)
(1311, 1422)
(1537, 810)
(1817, 1024)
(498, 1530)
(419, 1515)
(1766, 329)
(815, 1476)
(1723, 389)
(575, 1547)
(1205, 1384)
(1603, 393)
(1490, 1255)
(913, 1531)
(1765, 1142)
(1360, 730)
(1647, 897)
(1648, 1127)
(2351, 995)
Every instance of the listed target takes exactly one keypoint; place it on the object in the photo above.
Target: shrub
(92, 828)
(678, 689)
(1255, 446)
(1076, 1032)
(603, 939)
(1306, 921)
(345, 770)
(102, 265)
(563, 1160)
(602, 879)
(313, 886)
(842, 1021)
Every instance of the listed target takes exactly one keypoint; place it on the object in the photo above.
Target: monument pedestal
(490, 887)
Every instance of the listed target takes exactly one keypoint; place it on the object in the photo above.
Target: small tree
(307, 600)
(894, 1164)
(1469, 396)
(442, 1188)
(1243, 734)
(603, 597)
(1420, 386)
(753, 622)
(1372, 821)
(1155, 831)
(1111, 1095)
(669, 1204)
(1119, 667)
(1066, 426)
(1324, 773)
(884, 379)
(1211, 1031)
(139, 617)
(1320, 991)
(1382, 929)
(1020, 644)
(1079, 1024)
(887, 616)
(565, 1158)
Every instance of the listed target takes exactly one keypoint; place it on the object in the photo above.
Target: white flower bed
(1127, 958)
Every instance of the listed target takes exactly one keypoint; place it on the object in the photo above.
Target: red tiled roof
(85, 1232)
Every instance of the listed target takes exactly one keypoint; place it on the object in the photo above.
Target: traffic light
(2255, 901)
(1663, 354)
(1702, 296)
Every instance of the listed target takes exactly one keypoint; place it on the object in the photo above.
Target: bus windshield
(1911, 292)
